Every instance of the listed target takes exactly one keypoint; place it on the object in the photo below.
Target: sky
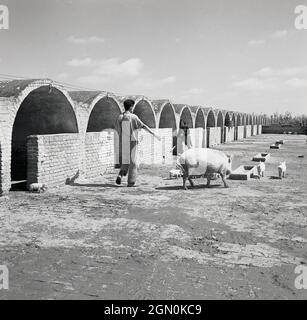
(243, 55)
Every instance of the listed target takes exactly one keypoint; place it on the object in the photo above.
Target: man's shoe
(130, 185)
(118, 180)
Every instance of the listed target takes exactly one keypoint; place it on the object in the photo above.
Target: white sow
(204, 162)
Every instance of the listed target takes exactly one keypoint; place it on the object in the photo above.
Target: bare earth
(157, 241)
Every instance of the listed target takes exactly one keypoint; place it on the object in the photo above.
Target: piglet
(37, 187)
(261, 169)
(282, 168)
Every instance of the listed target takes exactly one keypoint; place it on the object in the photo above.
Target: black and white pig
(204, 162)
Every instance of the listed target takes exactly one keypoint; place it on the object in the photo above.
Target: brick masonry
(214, 136)
(99, 153)
(240, 132)
(55, 158)
(152, 151)
(248, 131)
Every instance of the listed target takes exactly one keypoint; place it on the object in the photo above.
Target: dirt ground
(95, 240)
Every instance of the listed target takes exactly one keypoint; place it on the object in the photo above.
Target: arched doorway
(211, 123)
(200, 135)
(144, 111)
(103, 115)
(200, 119)
(168, 120)
(235, 126)
(220, 123)
(44, 111)
(186, 117)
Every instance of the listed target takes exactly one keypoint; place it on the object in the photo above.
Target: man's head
(128, 104)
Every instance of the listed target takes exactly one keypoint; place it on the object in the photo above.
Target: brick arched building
(50, 135)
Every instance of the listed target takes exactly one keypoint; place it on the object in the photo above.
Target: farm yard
(97, 240)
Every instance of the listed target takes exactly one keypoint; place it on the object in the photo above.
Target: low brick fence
(229, 134)
(99, 153)
(248, 131)
(240, 132)
(152, 151)
(53, 159)
(61, 158)
(214, 136)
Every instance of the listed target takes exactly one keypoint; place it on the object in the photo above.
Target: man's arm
(142, 125)
(151, 132)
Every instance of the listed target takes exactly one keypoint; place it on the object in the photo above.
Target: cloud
(86, 62)
(255, 43)
(123, 75)
(270, 80)
(293, 71)
(284, 72)
(177, 40)
(87, 40)
(296, 82)
(112, 67)
(255, 84)
(195, 91)
(279, 34)
(150, 83)
(264, 72)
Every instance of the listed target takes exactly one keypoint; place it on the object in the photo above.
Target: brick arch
(184, 113)
(167, 116)
(211, 119)
(144, 109)
(220, 119)
(234, 120)
(239, 119)
(200, 119)
(41, 108)
(220, 122)
(249, 119)
(228, 120)
(103, 112)
(26, 87)
(244, 117)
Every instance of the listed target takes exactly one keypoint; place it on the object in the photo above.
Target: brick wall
(99, 153)
(259, 129)
(163, 148)
(146, 147)
(240, 132)
(152, 151)
(248, 131)
(53, 159)
(205, 138)
(197, 136)
(5, 142)
(214, 136)
(230, 131)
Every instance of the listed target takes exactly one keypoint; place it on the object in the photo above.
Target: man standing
(127, 126)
